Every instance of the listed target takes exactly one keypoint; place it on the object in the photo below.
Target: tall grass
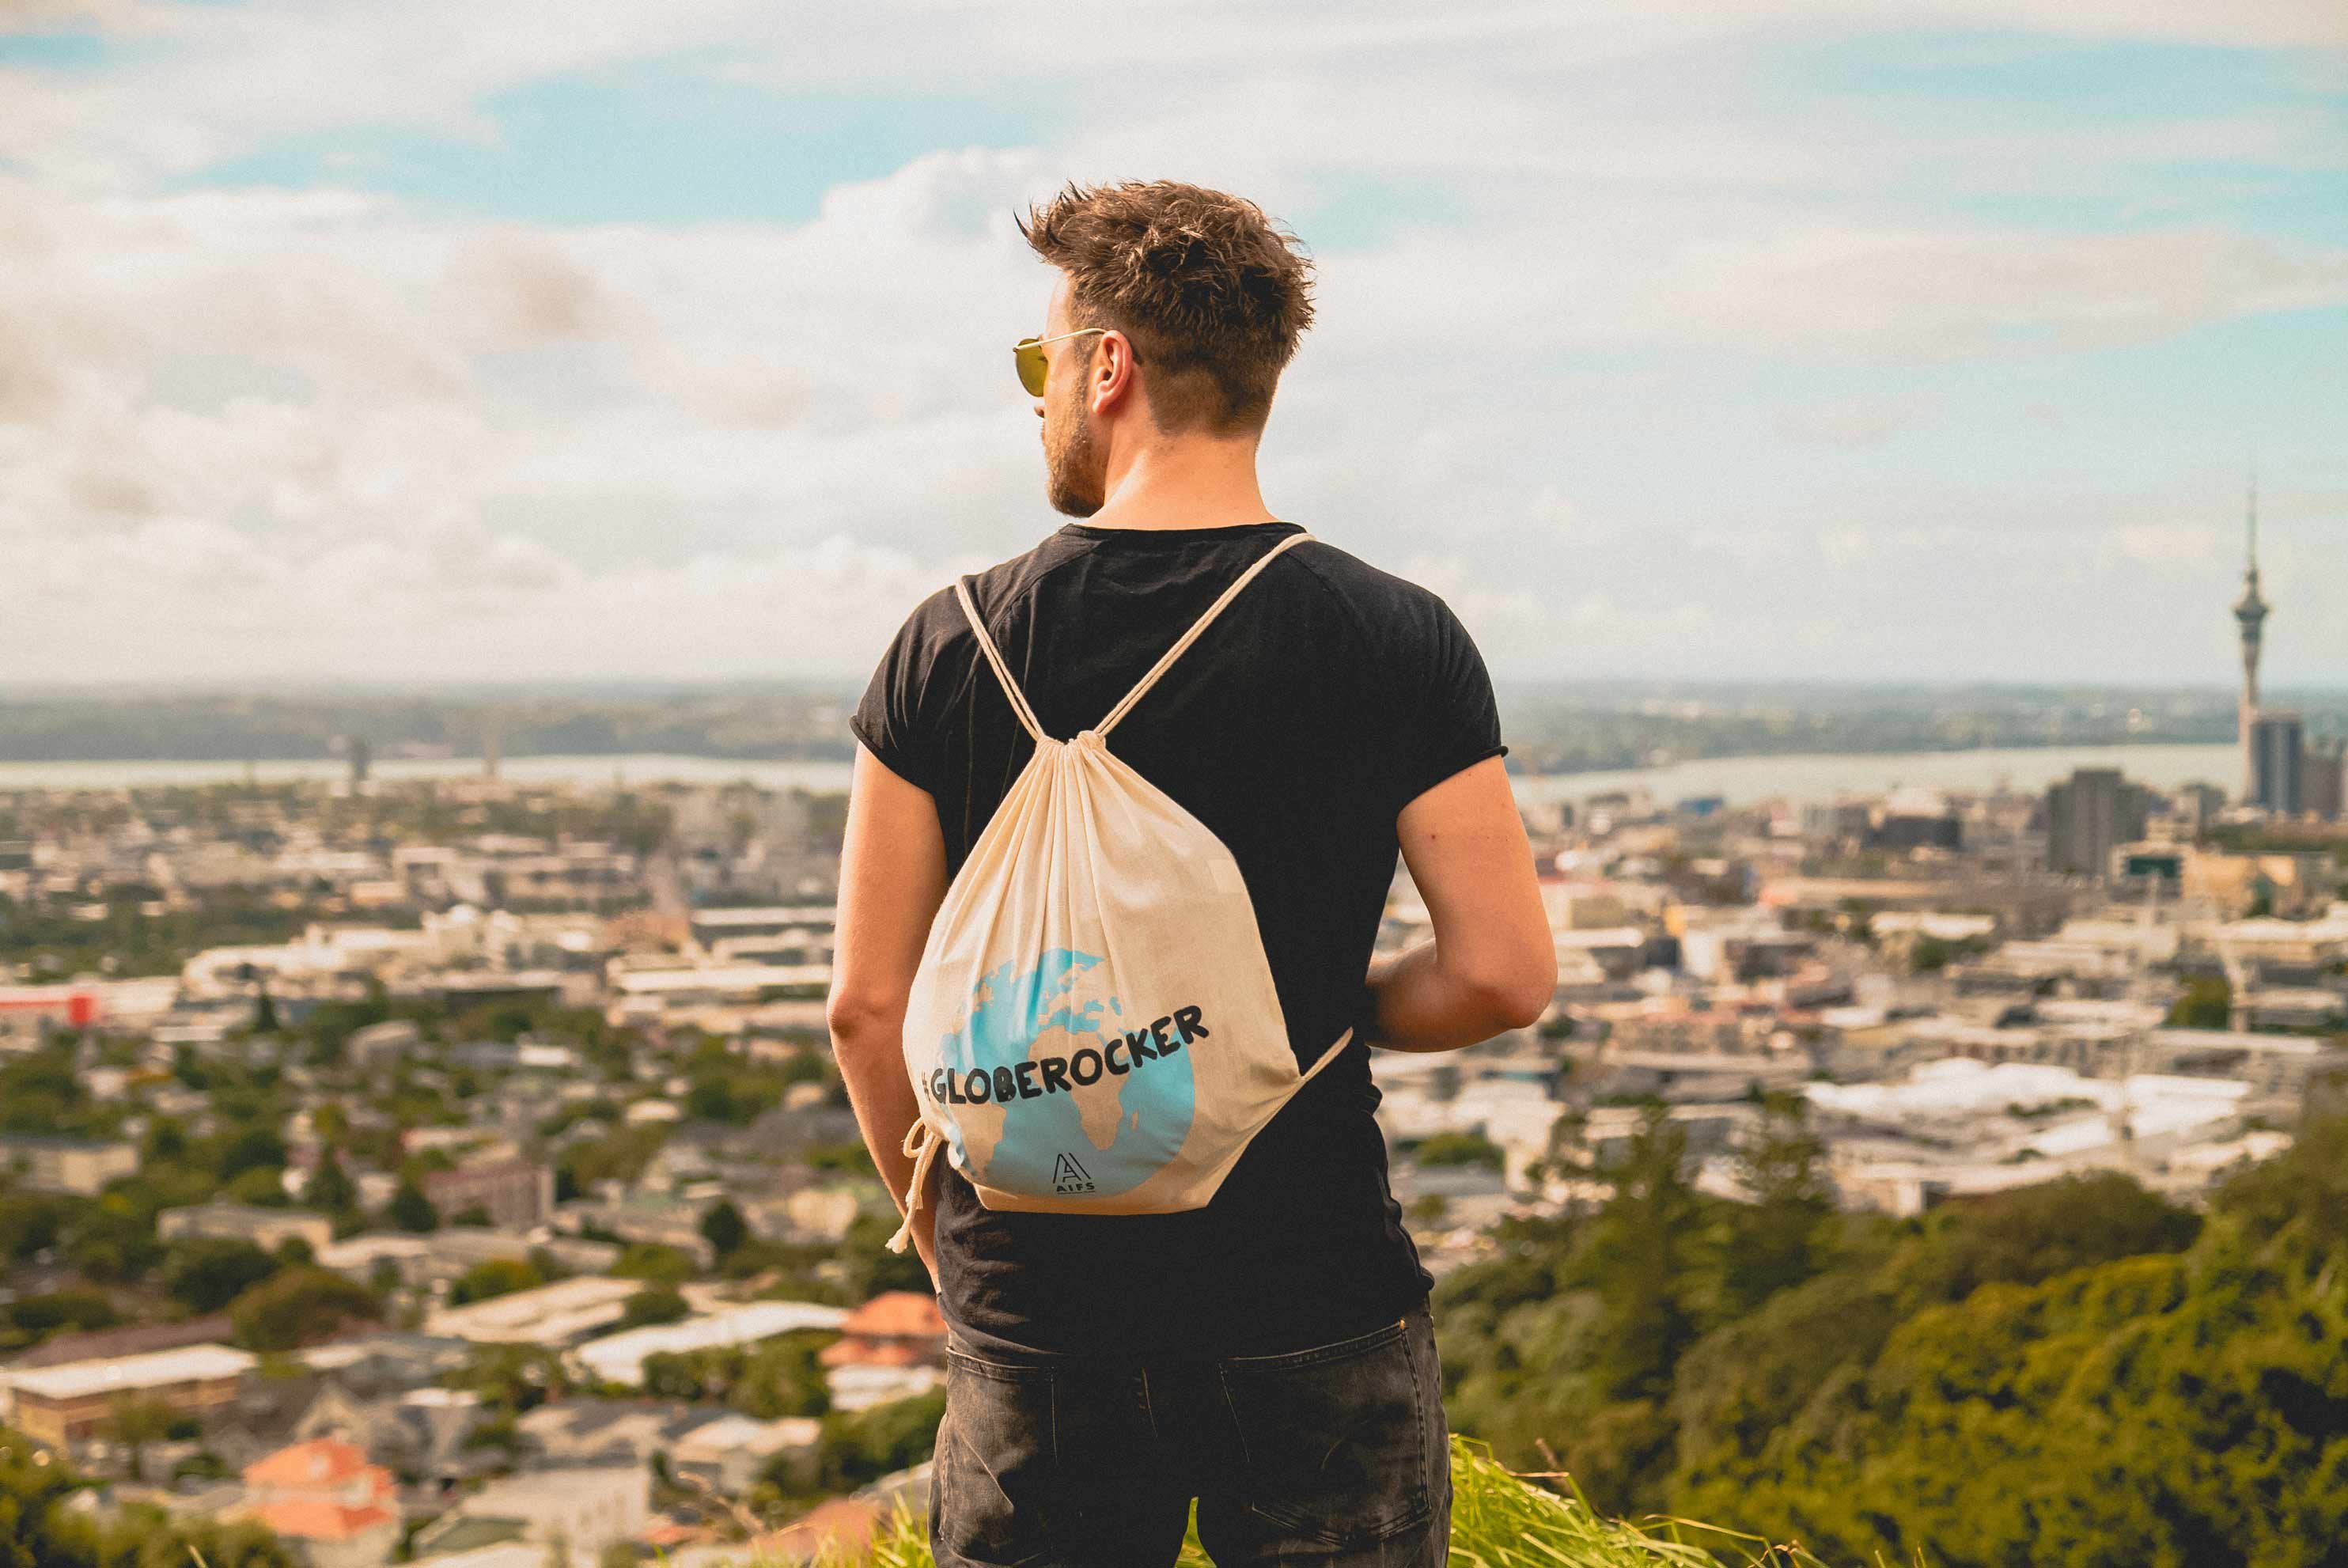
(1499, 1520)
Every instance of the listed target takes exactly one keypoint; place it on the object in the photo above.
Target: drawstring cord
(921, 1145)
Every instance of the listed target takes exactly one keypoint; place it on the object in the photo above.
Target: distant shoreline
(1738, 779)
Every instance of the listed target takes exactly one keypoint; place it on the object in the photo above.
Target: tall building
(2323, 779)
(2250, 615)
(2090, 814)
(2278, 747)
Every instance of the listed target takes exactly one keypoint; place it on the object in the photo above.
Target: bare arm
(893, 877)
(1491, 964)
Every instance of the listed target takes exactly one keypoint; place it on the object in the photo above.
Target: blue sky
(1802, 337)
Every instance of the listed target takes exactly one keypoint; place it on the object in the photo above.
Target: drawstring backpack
(1093, 1028)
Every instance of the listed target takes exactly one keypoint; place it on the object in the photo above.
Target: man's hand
(893, 877)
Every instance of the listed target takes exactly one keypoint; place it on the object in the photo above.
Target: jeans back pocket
(994, 1480)
(1340, 1443)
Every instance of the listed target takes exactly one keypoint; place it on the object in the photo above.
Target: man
(1268, 1355)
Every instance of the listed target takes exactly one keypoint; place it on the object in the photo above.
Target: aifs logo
(1068, 1176)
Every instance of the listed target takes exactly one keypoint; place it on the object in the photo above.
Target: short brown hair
(1213, 294)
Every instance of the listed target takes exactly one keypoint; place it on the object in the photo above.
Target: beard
(1076, 478)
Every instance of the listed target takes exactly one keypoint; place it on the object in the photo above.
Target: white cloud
(247, 431)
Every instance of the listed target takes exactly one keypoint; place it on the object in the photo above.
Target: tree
(870, 1267)
(653, 1305)
(724, 1228)
(654, 1264)
(859, 1448)
(206, 1273)
(2207, 1004)
(330, 1189)
(263, 1187)
(250, 1149)
(1461, 1148)
(137, 1422)
(1640, 1253)
(1773, 1243)
(410, 1210)
(301, 1306)
(493, 1277)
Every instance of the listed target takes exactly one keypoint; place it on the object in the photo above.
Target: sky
(484, 340)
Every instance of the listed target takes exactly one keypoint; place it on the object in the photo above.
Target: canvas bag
(1093, 1028)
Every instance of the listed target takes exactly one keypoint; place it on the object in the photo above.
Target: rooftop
(160, 1369)
(322, 1463)
(313, 1519)
(620, 1357)
(897, 1314)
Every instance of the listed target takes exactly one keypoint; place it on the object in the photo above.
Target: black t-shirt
(1326, 697)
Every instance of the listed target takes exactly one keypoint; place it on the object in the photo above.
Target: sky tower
(2250, 612)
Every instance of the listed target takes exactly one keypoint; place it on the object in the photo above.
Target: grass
(1499, 1520)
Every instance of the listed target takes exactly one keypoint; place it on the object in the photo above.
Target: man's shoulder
(1389, 610)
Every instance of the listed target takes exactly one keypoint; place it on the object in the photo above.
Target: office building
(2090, 814)
(2277, 742)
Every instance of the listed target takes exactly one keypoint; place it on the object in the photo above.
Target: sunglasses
(1034, 369)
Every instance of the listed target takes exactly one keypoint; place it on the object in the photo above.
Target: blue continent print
(1045, 1146)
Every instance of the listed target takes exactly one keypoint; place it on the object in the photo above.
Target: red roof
(859, 1352)
(318, 1465)
(309, 1518)
(842, 1522)
(897, 1314)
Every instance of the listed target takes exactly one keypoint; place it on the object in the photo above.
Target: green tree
(1641, 1253)
(654, 1264)
(206, 1273)
(301, 1306)
(137, 1422)
(653, 1305)
(2207, 1004)
(1460, 1149)
(1774, 1242)
(724, 1228)
(868, 1264)
(493, 1277)
(410, 1210)
(330, 1189)
(860, 1447)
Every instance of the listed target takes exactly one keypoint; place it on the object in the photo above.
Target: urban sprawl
(456, 1170)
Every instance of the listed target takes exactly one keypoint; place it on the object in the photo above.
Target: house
(67, 1403)
(620, 1357)
(324, 1499)
(421, 1433)
(892, 1347)
(516, 1194)
(575, 1512)
(81, 1166)
(551, 1314)
(729, 1454)
(583, 1431)
(132, 1339)
(267, 1229)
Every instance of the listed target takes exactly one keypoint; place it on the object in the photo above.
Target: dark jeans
(1337, 1455)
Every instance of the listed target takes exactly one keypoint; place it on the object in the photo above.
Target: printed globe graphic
(1091, 1114)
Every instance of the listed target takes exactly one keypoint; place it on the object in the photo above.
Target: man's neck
(1189, 483)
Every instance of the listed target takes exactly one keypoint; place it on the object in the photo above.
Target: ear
(1113, 380)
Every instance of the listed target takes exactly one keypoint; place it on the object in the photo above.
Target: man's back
(1328, 697)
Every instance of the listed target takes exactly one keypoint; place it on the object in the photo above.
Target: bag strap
(1027, 714)
(1191, 636)
(986, 645)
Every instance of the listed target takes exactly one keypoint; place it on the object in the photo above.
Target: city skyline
(1801, 344)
